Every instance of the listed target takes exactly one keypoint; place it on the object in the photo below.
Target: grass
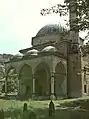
(12, 107)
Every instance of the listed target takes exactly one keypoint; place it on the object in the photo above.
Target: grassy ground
(65, 109)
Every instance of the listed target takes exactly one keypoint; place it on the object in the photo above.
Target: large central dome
(50, 29)
(49, 33)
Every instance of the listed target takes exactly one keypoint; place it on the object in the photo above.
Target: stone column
(33, 87)
(52, 86)
(74, 33)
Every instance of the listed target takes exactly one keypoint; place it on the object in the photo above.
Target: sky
(20, 20)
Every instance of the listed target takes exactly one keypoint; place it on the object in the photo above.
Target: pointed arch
(60, 68)
(25, 69)
(60, 82)
(42, 64)
(25, 79)
(42, 76)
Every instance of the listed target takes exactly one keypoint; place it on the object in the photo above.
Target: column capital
(33, 75)
(52, 74)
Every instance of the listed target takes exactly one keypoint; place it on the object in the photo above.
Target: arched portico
(60, 80)
(25, 81)
(42, 79)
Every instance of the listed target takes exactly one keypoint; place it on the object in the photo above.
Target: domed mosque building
(51, 68)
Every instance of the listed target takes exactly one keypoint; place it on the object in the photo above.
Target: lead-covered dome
(50, 29)
(50, 49)
(32, 52)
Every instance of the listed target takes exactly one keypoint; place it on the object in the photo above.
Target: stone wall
(74, 76)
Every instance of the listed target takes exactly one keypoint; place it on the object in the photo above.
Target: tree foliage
(81, 8)
(12, 85)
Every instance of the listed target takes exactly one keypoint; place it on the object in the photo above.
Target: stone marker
(51, 108)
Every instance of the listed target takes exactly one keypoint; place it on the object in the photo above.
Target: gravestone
(51, 108)
(25, 113)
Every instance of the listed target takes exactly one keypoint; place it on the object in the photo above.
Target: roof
(50, 29)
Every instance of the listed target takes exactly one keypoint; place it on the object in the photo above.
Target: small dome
(49, 49)
(32, 52)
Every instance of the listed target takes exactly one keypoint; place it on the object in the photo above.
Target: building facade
(53, 67)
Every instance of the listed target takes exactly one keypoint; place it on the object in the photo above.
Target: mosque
(54, 67)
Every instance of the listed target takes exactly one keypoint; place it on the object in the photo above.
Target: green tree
(12, 84)
(81, 7)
